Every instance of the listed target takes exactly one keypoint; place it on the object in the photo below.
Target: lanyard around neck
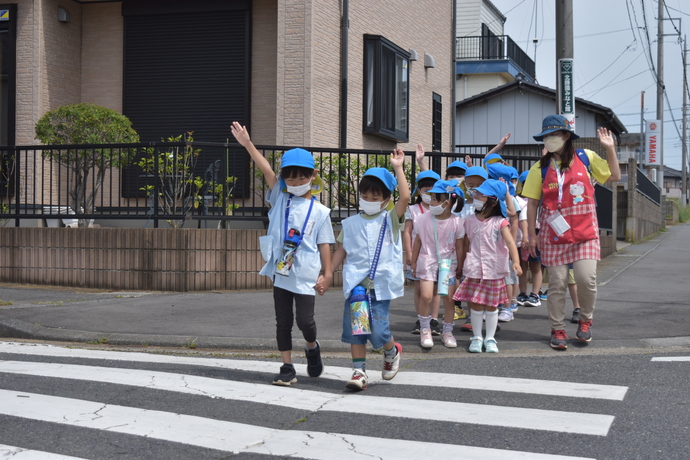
(561, 180)
(379, 244)
(287, 216)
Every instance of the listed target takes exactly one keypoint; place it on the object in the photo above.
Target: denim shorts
(408, 275)
(380, 325)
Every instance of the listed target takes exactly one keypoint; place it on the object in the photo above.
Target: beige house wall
(102, 55)
(424, 26)
(264, 82)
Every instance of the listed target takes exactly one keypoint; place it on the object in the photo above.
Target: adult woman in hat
(560, 191)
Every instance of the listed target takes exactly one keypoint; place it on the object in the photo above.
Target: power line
(609, 66)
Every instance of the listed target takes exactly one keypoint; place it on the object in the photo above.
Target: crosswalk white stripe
(430, 379)
(480, 414)
(18, 453)
(236, 437)
(671, 358)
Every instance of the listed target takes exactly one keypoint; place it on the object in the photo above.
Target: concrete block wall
(644, 217)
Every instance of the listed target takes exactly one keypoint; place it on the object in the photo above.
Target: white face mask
(370, 207)
(436, 210)
(554, 143)
(299, 190)
(426, 198)
(479, 205)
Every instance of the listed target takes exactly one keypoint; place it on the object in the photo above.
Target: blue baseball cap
(553, 123)
(513, 172)
(428, 174)
(297, 157)
(501, 171)
(457, 164)
(476, 171)
(447, 186)
(384, 176)
(523, 177)
(496, 189)
(493, 158)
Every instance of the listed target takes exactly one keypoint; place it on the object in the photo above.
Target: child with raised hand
(440, 236)
(371, 246)
(424, 181)
(489, 247)
(296, 216)
(505, 174)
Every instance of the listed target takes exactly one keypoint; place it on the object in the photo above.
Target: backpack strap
(581, 154)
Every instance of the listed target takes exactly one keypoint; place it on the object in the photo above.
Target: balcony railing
(493, 47)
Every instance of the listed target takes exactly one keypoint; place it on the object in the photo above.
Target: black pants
(304, 307)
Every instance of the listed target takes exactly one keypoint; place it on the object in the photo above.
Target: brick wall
(264, 78)
(102, 55)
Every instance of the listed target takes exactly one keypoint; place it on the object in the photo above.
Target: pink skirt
(482, 292)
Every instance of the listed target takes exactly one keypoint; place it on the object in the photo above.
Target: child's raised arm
(499, 146)
(242, 136)
(419, 156)
(397, 161)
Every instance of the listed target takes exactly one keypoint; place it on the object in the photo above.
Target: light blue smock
(360, 237)
(305, 270)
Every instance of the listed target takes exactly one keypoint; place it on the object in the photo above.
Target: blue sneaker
(521, 298)
(544, 295)
(513, 307)
(476, 345)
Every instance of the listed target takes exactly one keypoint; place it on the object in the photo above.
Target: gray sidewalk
(642, 302)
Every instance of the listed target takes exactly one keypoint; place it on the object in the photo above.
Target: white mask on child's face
(299, 190)
(370, 207)
(426, 198)
(478, 204)
(436, 210)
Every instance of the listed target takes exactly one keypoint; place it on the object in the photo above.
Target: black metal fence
(648, 188)
(493, 47)
(176, 182)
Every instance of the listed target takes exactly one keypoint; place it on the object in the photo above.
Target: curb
(17, 329)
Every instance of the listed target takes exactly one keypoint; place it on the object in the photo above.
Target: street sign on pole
(566, 97)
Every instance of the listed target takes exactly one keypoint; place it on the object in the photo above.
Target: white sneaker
(359, 381)
(505, 315)
(425, 338)
(392, 364)
(448, 340)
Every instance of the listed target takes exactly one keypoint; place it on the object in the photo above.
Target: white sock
(448, 327)
(491, 323)
(424, 322)
(477, 320)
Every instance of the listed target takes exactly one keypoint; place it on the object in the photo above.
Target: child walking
(488, 246)
(440, 236)
(424, 181)
(371, 246)
(296, 216)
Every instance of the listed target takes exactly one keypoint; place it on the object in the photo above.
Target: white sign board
(652, 142)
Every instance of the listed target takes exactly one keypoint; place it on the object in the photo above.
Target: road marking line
(18, 453)
(315, 401)
(672, 358)
(236, 437)
(429, 379)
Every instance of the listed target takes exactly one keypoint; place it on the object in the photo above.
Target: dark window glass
(386, 89)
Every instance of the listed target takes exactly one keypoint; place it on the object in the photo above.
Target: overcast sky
(612, 56)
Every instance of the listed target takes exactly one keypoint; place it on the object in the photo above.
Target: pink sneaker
(425, 338)
(448, 340)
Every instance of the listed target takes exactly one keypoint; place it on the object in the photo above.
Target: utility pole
(640, 159)
(684, 184)
(660, 94)
(564, 60)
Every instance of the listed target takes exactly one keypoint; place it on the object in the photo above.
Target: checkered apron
(577, 202)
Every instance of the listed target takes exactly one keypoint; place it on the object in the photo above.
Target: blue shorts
(380, 325)
(408, 275)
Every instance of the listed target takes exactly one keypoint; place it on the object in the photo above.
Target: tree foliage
(80, 124)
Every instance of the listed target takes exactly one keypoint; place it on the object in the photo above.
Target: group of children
(459, 240)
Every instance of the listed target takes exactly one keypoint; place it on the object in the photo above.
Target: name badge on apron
(558, 223)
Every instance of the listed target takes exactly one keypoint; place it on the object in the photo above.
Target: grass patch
(101, 341)
(5, 302)
(191, 344)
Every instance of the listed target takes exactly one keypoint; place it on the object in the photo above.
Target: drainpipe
(344, 46)
(453, 46)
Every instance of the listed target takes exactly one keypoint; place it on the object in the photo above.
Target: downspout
(344, 47)
(453, 70)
